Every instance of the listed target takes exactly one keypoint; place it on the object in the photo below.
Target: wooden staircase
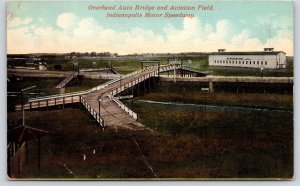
(67, 80)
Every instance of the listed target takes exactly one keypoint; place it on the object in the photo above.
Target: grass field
(186, 144)
(228, 99)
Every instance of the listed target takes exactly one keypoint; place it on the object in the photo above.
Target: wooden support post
(144, 86)
(39, 153)
(132, 89)
(138, 88)
(21, 100)
(99, 110)
(132, 97)
(174, 74)
(153, 82)
(149, 84)
(211, 88)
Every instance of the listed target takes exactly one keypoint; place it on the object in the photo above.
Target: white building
(258, 59)
(42, 66)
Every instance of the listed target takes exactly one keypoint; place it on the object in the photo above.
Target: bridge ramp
(67, 80)
(110, 111)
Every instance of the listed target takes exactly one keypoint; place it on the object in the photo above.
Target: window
(266, 62)
(261, 63)
(250, 62)
(239, 62)
(246, 62)
(253, 62)
(243, 62)
(235, 62)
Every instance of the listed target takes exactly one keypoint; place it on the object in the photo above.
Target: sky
(62, 27)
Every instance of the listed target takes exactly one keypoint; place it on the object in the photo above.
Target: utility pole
(22, 106)
(99, 111)
(23, 110)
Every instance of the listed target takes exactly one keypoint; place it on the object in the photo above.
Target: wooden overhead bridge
(107, 110)
(100, 101)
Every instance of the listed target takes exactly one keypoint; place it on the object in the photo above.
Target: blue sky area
(234, 25)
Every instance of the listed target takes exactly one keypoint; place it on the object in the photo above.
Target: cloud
(86, 35)
(67, 20)
(16, 22)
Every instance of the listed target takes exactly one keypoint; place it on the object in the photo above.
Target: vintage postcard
(150, 90)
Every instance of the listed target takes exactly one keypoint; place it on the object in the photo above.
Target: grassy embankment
(218, 98)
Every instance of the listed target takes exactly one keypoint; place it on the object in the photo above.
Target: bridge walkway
(111, 111)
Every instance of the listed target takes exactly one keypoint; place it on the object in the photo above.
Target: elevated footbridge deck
(100, 101)
(108, 110)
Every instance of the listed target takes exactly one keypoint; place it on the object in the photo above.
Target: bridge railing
(164, 68)
(99, 87)
(57, 96)
(97, 116)
(124, 107)
(93, 69)
(55, 101)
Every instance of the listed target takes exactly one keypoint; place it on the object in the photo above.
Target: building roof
(248, 53)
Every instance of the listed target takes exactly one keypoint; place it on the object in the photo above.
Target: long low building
(258, 59)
